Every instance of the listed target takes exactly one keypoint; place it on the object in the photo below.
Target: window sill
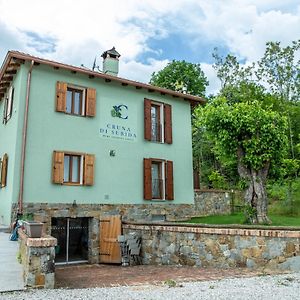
(71, 183)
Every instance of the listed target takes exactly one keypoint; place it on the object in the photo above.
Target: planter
(33, 229)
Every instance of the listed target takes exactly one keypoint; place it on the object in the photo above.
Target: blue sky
(147, 33)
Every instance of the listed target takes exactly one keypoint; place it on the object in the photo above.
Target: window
(8, 105)
(4, 164)
(158, 121)
(74, 104)
(75, 100)
(158, 179)
(73, 168)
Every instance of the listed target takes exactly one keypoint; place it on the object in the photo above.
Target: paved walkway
(10, 270)
(89, 276)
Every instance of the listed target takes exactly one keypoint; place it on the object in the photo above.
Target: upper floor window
(158, 179)
(72, 168)
(75, 100)
(75, 104)
(158, 121)
(8, 105)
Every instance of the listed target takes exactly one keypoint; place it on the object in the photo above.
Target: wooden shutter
(147, 179)
(61, 96)
(147, 119)
(168, 123)
(89, 166)
(4, 170)
(58, 167)
(90, 102)
(169, 181)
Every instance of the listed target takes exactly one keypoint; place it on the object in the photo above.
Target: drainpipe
(24, 138)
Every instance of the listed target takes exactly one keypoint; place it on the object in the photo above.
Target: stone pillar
(38, 260)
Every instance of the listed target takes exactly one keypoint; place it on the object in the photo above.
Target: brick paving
(88, 276)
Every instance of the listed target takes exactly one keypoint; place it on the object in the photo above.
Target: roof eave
(18, 55)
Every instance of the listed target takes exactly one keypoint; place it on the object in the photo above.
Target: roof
(14, 59)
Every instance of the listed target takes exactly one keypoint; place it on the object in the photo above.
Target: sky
(147, 33)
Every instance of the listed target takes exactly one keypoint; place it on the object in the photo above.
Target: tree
(252, 135)
(181, 76)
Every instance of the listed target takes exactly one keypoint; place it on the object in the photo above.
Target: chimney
(111, 62)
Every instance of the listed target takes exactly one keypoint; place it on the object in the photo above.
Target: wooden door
(110, 229)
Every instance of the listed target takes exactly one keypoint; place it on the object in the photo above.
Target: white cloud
(82, 30)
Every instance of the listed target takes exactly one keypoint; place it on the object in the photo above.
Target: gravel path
(262, 287)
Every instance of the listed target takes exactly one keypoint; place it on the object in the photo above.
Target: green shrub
(217, 180)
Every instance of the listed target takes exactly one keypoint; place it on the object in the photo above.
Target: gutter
(24, 139)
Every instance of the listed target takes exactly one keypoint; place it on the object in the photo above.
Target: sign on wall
(118, 121)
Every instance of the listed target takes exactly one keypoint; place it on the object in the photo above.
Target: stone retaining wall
(38, 260)
(213, 202)
(44, 212)
(218, 247)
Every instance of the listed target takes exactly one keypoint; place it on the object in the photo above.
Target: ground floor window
(158, 179)
(71, 168)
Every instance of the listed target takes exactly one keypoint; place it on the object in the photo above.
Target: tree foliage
(181, 76)
(253, 136)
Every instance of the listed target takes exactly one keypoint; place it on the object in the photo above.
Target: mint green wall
(10, 143)
(118, 179)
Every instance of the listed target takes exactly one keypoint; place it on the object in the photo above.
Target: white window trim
(163, 179)
(8, 105)
(162, 120)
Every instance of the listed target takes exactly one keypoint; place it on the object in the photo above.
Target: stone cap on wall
(285, 232)
(44, 241)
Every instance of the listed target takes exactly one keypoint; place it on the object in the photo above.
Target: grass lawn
(238, 218)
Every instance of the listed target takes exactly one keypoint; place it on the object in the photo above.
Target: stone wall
(44, 212)
(194, 245)
(213, 202)
(38, 260)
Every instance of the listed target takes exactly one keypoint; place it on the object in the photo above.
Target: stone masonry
(38, 260)
(218, 247)
(213, 202)
(44, 212)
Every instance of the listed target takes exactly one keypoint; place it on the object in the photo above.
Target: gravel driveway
(261, 287)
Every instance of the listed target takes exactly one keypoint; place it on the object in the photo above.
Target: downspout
(24, 138)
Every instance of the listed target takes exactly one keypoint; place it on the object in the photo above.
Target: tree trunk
(255, 195)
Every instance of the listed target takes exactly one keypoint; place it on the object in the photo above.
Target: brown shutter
(147, 119)
(89, 166)
(58, 167)
(4, 170)
(90, 102)
(147, 179)
(168, 123)
(61, 96)
(169, 181)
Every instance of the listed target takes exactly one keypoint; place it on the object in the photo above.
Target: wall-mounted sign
(118, 121)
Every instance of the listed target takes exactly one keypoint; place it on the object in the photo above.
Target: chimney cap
(111, 53)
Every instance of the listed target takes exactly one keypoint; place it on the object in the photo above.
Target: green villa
(77, 145)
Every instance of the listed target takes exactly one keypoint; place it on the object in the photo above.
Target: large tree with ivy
(252, 135)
